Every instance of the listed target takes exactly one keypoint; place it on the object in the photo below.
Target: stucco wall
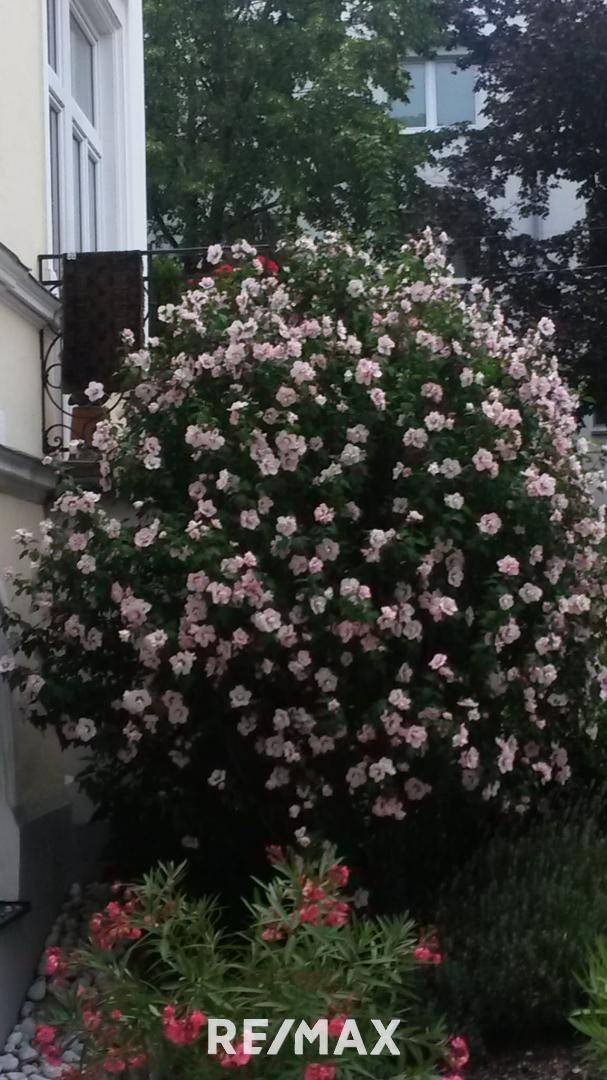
(22, 130)
(39, 768)
(20, 384)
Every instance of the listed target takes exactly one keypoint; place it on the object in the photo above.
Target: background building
(443, 94)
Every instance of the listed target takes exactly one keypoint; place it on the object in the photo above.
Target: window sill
(20, 291)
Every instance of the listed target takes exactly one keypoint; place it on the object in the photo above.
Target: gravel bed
(20, 1059)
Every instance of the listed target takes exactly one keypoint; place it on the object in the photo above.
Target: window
(54, 177)
(440, 94)
(455, 102)
(78, 222)
(82, 61)
(93, 204)
(75, 127)
(412, 113)
(51, 27)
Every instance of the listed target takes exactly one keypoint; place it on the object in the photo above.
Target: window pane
(412, 113)
(455, 93)
(93, 224)
(77, 194)
(55, 185)
(82, 69)
(51, 23)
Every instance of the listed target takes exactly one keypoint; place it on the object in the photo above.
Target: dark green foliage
(263, 112)
(515, 925)
(541, 68)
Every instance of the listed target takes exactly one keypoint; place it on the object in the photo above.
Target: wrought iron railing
(102, 293)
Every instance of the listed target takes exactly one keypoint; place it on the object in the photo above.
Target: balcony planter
(84, 421)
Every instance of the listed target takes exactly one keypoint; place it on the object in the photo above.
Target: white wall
(22, 137)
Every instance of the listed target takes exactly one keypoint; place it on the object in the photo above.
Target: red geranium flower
(268, 265)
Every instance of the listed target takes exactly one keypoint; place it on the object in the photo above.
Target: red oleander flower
(336, 1026)
(338, 914)
(458, 1053)
(272, 933)
(236, 1060)
(320, 1072)
(427, 951)
(114, 1064)
(339, 876)
(185, 1030)
(55, 963)
(45, 1035)
(114, 925)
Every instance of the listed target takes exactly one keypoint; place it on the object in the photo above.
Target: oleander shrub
(354, 562)
(516, 923)
(161, 971)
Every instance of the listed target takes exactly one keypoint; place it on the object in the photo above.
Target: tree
(542, 68)
(264, 112)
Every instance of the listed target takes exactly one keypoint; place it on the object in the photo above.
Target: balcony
(101, 294)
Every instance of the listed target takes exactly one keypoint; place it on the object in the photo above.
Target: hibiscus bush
(346, 557)
(161, 974)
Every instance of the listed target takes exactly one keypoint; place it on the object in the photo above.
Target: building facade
(442, 94)
(72, 178)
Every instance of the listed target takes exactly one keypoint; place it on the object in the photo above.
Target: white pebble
(8, 1063)
(14, 1041)
(27, 1054)
(27, 1027)
(37, 991)
(51, 1071)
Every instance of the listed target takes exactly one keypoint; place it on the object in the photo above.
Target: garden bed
(541, 1063)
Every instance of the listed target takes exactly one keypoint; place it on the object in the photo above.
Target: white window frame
(75, 125)
(116, 140)
(430, 67)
